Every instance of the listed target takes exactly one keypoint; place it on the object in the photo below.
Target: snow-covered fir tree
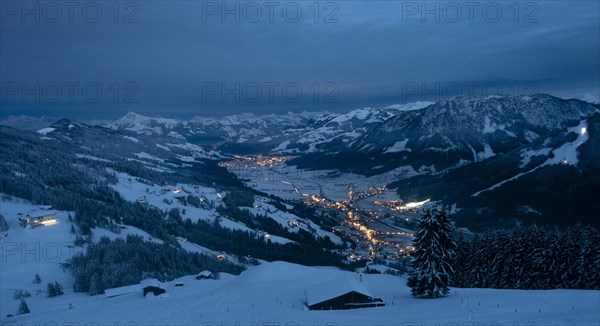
(433, 256)
(37, 279)
(23, 308)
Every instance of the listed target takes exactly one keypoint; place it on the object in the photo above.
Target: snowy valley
(273, 219)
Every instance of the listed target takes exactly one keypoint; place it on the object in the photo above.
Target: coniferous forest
(529, 258)
(109, 264)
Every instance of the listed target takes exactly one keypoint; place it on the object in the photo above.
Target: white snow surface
(91, 157)
(275, 294)
(567, 153)
(398, 147)
(133, 139)
(45, 131)
(528, 154)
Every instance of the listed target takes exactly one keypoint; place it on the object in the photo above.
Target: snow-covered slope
(274, 294)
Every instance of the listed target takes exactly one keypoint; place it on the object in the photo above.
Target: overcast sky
(186, 58)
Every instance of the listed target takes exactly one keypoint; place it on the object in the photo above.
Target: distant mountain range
(305, 132)
(490, 159)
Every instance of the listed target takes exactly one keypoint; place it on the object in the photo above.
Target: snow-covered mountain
(459, 131)
(331, 132)
(305, 132)
(475, 128)
(242, 128)
(589, 98)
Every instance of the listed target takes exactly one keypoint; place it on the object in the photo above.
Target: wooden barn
(152, 285)
(340, 295)
(115, 292)
(205, 275)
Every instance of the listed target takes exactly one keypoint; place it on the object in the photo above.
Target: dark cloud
(173, 58)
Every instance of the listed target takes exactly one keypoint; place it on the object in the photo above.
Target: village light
(416, 204)
(49, 222)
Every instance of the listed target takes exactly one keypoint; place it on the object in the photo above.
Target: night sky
(98, 60)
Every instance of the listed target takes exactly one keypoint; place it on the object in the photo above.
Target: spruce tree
(96, 285)
(433, 256)
(37, 279)
(50, 290)
(23, 308)
(58, 288)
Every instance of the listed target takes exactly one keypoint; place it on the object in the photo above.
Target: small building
(205, 275)
(341, 294)
(152, 285)
(115, 292)
(39, 217)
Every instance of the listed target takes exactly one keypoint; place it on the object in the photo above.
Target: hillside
(275, 293)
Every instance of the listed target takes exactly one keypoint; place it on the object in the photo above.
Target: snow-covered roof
(108, 293)
(151, 282)
(333, 289)
(205, 273)
(40, 213)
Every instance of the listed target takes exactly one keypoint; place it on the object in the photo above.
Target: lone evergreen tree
(50, 290)
(434, 252)
(58, 288)
(23, 308)
(37, 279)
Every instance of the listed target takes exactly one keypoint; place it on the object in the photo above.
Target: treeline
(529, 258)
(109, 264)
(243, 244)
(239, 198)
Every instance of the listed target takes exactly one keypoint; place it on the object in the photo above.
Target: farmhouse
(340, 295)
(205, 275)
(152, 285)
(115, 292)
(39, 217)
